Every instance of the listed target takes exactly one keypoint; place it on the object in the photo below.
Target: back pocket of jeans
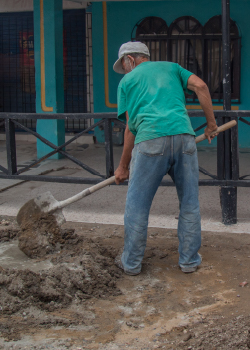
(188, 144)
(154, 147)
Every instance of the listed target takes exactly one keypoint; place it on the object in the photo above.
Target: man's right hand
(209, 130)
(121, 174)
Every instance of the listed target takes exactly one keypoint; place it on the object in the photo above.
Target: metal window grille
(17, 68)
(75, 74)
(89, 63)
(194, 47)
(153, 32)
(213, 58)
(186, 46)
(78, 67)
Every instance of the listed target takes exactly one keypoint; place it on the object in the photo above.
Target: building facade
(176, 30)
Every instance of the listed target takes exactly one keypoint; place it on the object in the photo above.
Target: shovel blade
(46, 202)
(42, 204)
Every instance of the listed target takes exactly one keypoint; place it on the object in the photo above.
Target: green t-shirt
(153, 95)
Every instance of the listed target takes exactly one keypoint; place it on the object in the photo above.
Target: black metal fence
(227, 177)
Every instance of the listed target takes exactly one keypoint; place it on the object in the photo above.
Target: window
(213, 58)
(194, 47)
(17, 68)
(186, 44)
(152, 31)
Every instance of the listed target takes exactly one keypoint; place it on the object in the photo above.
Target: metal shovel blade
(46, 203)
(42, 204)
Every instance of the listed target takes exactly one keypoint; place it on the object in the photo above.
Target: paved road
(107, 205)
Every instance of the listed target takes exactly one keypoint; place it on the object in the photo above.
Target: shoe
(189, 269)
(118, 263)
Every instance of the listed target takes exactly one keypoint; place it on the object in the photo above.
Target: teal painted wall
(52, 130)
(121, 18)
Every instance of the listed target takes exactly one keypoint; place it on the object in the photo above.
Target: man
(161, 139)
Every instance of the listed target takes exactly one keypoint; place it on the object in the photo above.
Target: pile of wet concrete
(80, 269)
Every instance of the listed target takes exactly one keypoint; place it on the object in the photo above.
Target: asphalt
(107, 205)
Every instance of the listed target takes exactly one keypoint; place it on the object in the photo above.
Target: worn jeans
(151, 160)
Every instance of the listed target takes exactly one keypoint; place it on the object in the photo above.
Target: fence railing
(227, 176)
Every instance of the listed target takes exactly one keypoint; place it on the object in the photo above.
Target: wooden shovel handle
(221, 128)
(84, 193)
(102, 184)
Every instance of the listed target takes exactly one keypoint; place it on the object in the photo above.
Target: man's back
(153, 95)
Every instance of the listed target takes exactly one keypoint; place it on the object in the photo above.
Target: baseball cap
(126, 49)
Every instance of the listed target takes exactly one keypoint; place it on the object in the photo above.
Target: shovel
(47, 204)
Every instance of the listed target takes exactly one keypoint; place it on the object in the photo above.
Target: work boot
(118, 263)
(188, 269)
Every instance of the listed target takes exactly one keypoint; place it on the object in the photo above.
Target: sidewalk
(107, 205)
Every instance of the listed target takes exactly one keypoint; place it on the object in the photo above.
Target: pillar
(48, 41)
(228, 142)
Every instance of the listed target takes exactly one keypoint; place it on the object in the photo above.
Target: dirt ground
(83, 301)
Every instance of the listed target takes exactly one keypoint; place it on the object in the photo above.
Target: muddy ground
(80, 300)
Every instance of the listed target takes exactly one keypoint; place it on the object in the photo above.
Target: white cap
(127, 48)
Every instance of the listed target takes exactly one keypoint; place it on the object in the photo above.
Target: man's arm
(200, 88)
(122, 172)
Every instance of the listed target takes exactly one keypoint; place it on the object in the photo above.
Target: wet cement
(76, 268)
(84, 302)
(40, 235)
(13, 258)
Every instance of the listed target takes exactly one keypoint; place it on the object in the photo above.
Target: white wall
(27, 5)
(77, 4)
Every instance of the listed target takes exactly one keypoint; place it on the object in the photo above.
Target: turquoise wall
(122, 17)
(52, 130)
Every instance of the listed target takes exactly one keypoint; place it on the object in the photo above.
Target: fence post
(228, 194)
(109, 147)
(11, 146)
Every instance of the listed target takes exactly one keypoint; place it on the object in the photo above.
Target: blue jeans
(151, 160)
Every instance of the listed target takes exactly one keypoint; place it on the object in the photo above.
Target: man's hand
(121, 174)
(209, 130)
